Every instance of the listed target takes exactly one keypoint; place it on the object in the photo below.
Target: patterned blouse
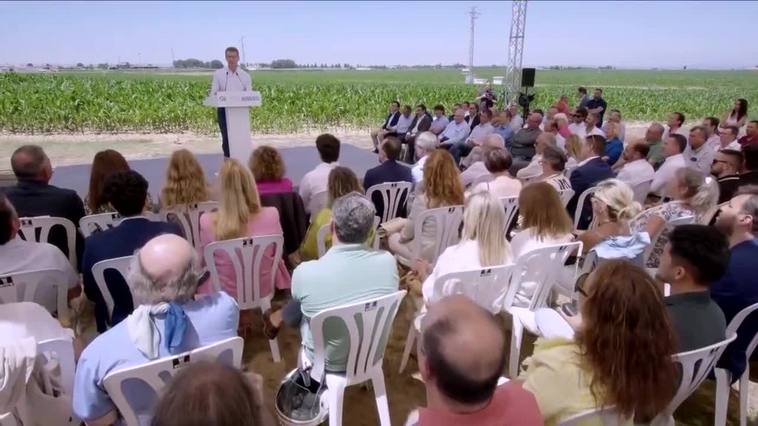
(666, 211)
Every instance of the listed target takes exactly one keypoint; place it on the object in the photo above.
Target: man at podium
(231, 78)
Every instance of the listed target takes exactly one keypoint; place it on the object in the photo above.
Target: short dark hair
(680, 140)
(7, 215)
(642, 148)
(126, 191)
(734, 130)
(737, 157)
(539, 111)
(439, 107)
(713, 121)
(396, 103)
(700, 129)
(750, 152)
(392, 147)
(581, 111)
(597, 143)
(231, 49)
(475, 105)
(582, 89)
(679, 116)
(555, 157)
(34, 162)
(497, 160)
(599, 89)
(422, 106)
(328, 147)
(703, 248)
(467, 103)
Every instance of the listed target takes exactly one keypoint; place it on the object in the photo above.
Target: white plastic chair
(695, 367)
(511, 210)
(120, 264)
(247, 255)
(641, 189)
(724, 377)
(566, 195)
(607, 416)
(188, 217)
(62, 351)
(98, 222)
(543, 266)
(447, 221)
(392, 195)
(22, 287)
(8, 419)
(366, 353)
(580, 205)
(157, 374)
(485, 286)
(29, 226)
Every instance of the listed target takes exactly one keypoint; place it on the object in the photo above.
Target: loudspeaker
(527, 77)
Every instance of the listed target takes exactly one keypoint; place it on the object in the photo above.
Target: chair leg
(382, 407)
(273, 343)
(517, 334)
(722, 396)
(409, 341)
(335, 397)
(744, 393)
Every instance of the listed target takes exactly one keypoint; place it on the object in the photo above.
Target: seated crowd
(677, 209)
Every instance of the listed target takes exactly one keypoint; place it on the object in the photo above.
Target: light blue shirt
(211, 318)
(345, 274)
(456, 132)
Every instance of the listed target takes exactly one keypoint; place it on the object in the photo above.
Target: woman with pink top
(268, 169)
(240, 214)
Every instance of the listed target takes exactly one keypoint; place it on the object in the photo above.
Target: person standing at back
(581, 93)
(231, 78)
(315, 181)
(597, 105)
(34, 196)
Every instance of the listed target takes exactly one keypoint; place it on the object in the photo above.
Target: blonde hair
(573, 146)
(700, 192)
(618, 198)
(185, 180)
(239, 201)
(442, 183)
(342, 181)
(484, 222)
(541, 210)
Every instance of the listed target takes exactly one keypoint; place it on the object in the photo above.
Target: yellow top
(309, 247)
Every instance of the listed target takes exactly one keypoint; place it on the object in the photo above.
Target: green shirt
(655, 155)
(347, 273)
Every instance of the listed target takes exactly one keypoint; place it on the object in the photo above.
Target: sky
(621, 34)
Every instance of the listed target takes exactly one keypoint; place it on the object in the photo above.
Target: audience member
(589, 171)
(613, 145)
(422, 121)
(751, 134)
(212, 393)
(461, 386)
(672, 150)
(654, 140)
(403, 125)
(562, 122)
(578, 126)
(691, 195)
(573, 152)
(389, 170)
(737, 116)
(636, 168)
(698, 154)
(441, 187)
(552, 127)
(675, 123)
(440, 121)
(497, 162)
(104, 164)
(543, 222)
(473, 119)
(313, 186)
(534, 168)
(502, 126)
(127, 193)
(623, 327)
(269, 171)
(456, 131)
(615, 117)
(517, 121)
(17, 255)
(711, 127)
(163, 277)
(34, 196)
(736, 290)
(185, 181)
(597, 106)
(240, 215)
(562, 104)
(581, 93)
(522, 145)
(426, 143)
(728, 139)
(476, 138)
(726, 167)
(342, 181)
(389, 122)
(591, 125)
(553, 165)
(749, 174)
(694, 257)
(455, 108)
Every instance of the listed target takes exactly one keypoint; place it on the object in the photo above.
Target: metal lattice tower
(470, 77)
(512, 82)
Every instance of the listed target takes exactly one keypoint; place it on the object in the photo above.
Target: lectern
(237, 105)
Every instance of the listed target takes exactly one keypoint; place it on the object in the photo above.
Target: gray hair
(353, 217)
(427, 142)
(147, 291)
(28, 161)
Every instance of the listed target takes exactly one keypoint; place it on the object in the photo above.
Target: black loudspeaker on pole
(527, 77)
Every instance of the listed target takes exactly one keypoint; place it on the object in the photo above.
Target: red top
(510, 405)
(273, 187)
(747, 140)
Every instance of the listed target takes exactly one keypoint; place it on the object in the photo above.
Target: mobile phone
(569, 309)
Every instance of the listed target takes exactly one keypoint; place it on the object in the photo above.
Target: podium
(237, 105)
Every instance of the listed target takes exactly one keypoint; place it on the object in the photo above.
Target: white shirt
(501, 186)
(403, 124)
(666, 172)
(439, 124)
(595, 131)
(714, 142)
(579, 129)
(475, 173)
(699, 159)
(314, 182)
(533, 169)
(480, 132)
(517, 122)
(680, 131)
(225, 80)
(732, 145)
(18, 255)
(636, 171)
(558, 181)
(525, 241)
(456, 132)
(560, 142)
(417, 171)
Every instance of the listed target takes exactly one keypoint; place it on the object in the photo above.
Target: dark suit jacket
(473, 123)
(389, 171)
(583, 178)
(292, 217)
(426, 123)
(32, 198)
(391, 120)
(120, 241)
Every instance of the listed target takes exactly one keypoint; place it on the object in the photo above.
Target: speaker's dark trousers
(221, 114)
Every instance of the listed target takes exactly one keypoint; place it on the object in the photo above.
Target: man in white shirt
(711, 126)
(426, 143)
(673, 146)
(577, 126)
(403, 123)
(229, 79)
(475, 139)
(636, 167)
(440, 121)
(728, 139)
(675, 122)
(456, 132)
(698, 154)
(591, 126)
(17, 255)
(517, 121)
(315, 183)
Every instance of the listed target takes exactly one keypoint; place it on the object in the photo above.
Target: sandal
(269, 330)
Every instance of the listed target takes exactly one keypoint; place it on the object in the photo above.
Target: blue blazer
(120, 241)
(389, 171)
(391, 120)
(581, 179)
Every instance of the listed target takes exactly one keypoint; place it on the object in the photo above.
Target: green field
(298, 100)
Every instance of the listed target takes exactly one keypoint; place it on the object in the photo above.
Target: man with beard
(736, 290)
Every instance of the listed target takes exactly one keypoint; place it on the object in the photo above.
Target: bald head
(465, 377)
(493, 140)
(163, 270)
(165, 257)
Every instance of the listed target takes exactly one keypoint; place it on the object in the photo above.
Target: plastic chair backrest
(318, 201)
(158, 374)
(485, 286)
(98, 222)
(511, 210)
(246, 255)
(607, 416)
(324, 231)
(670, 225)
(61, 350)
(367, 343)
(580, 205)
(22, 287)
(29, 226)
(120, 264)
(737, 321)
(542, 266)
(447, 221)
(188, 217)
(641, 189)
(566, 195)
(394, 195)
